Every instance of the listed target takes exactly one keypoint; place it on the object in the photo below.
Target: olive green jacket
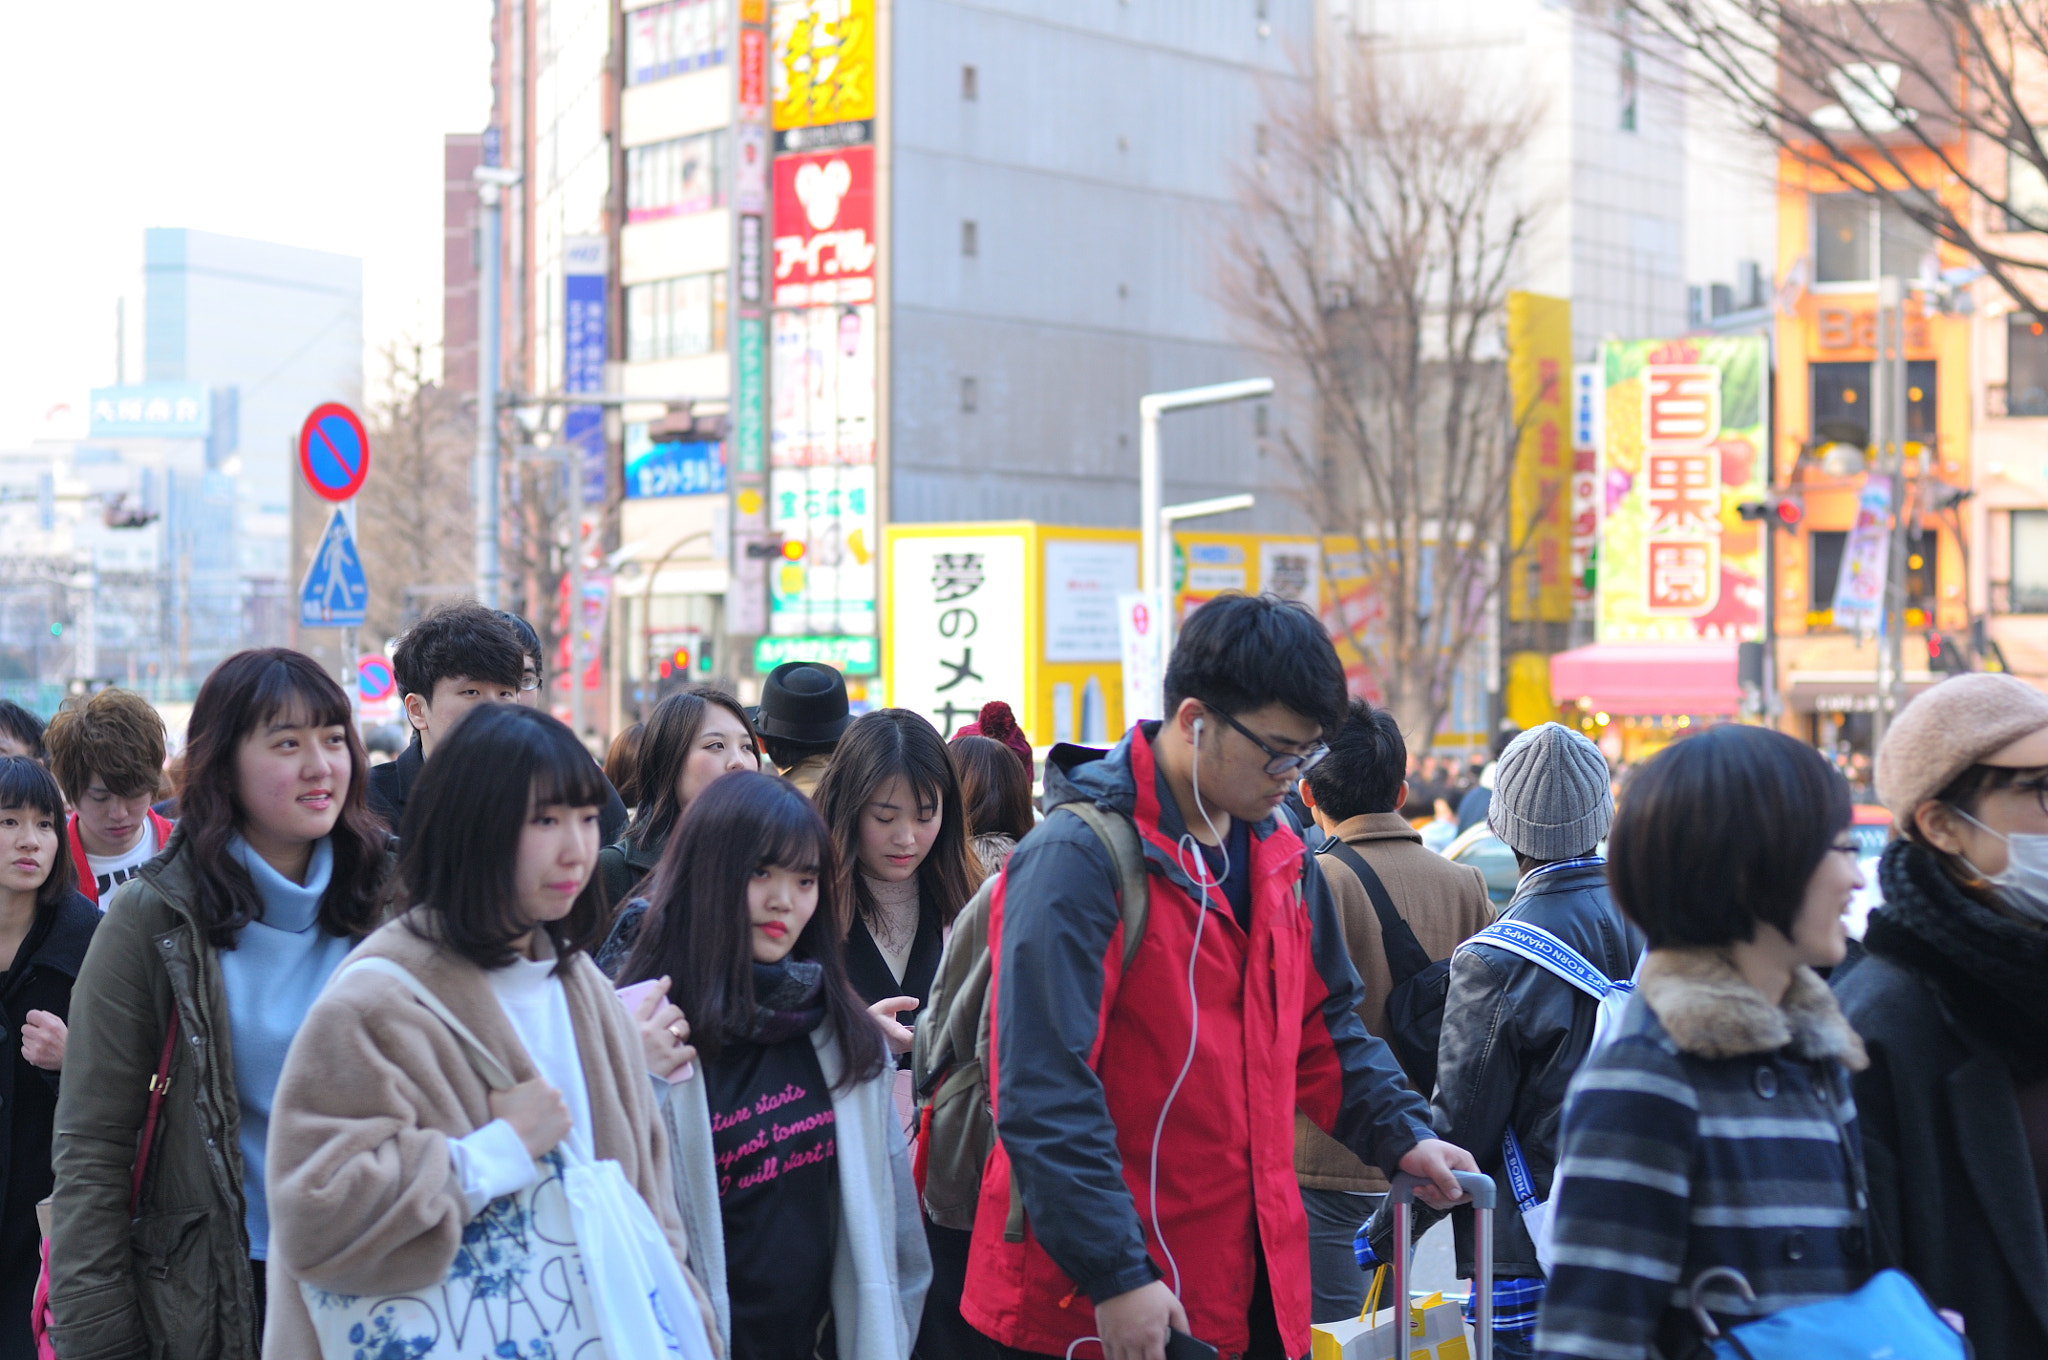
(176, 1282)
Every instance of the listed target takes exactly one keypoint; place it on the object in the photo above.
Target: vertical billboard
(1587, 399)
(957, 632)
(1684, 445)
(1539, 492)
(585, 341)
(824, 248)
(823, 69)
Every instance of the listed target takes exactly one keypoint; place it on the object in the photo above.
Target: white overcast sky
(310, 125)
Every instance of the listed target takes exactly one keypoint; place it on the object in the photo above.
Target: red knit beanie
(998, 723)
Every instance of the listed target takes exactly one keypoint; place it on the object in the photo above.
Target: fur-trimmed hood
(1710, 1011)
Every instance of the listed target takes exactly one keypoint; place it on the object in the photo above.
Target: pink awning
(1648, 679)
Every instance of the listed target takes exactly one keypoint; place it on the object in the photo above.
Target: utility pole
(1888, 430)
(492, 181)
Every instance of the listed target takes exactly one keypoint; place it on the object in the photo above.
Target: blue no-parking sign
(334, 452)
(335, 593)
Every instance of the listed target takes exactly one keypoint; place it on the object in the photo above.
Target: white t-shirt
(492, 1161)
(111, 871)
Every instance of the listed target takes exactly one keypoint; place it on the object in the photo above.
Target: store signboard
(847, 655)
(672, 469)
(1684, 445)
(584, 341)
(1585, 505)
(956, 605)
(824, 247)
(829, 587)
(822, 69)
(1539, 494)
(1083, 579)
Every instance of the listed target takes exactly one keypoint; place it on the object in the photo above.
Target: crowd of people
(286, 1032)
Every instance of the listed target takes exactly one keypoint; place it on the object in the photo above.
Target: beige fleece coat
(363, 1193)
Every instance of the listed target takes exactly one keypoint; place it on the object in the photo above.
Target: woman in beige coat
(385, 1144)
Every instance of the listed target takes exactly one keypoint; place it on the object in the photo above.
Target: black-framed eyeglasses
(1278, 762)
(529, 683)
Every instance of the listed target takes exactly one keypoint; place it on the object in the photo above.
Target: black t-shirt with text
(778, 1187)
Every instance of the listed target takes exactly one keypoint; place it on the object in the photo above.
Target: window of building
(1824, 551)
(970, 239)
(675, 318)
(1860, 237)
(1841, 396)
(2026, 191)
(670, 178)
(2027, 588)
(2026, 366)
(970, 395)
(681, 35)
(970, 83)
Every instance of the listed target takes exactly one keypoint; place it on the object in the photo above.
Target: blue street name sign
(335, 593)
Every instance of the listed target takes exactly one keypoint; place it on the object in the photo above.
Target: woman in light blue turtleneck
(275, 869)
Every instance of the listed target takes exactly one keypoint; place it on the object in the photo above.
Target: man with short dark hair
(21, 732)
(108, 756)
(1238, 1007)
(459, 656)
(1514, 1032)
(1355, 796)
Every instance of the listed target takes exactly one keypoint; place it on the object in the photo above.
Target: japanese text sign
(956, 611)
(824, 247)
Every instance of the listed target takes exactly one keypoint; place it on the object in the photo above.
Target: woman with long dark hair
(389, 1151)
(276, 868)
(689, 740)
(45, 926)
(1953, 1000)
(892, 799)
(791, 1166)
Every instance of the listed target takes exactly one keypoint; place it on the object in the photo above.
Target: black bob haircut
(1721, 831)
(529, 641)
(1367, 762)
(25, 727)
(1241, 652)
(458, 639)
(460, 844)
(27, 785)
(698, 931)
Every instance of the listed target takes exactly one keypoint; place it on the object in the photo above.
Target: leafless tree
(1381, 233)
(414, 519)
(1898, 99)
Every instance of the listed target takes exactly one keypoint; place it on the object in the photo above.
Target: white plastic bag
(644, 1306)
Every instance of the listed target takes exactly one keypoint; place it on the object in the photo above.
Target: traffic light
(1944, 656)
(1788, 508)
(793, 550)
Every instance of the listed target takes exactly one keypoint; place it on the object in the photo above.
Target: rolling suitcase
(1368, 1338)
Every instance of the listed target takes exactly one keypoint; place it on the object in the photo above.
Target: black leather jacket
(1513, 1036)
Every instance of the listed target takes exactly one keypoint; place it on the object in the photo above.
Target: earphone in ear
(1198, 731)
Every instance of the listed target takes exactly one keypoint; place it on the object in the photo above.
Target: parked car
(1478, 846)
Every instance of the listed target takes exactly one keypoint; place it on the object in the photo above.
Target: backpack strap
(1519, 1180)
(1405, 955)
(1120, 836)
(484, 1062)
(1547, 952)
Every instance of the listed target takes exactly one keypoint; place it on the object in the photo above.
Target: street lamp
(1168, 517)
(1155, 565)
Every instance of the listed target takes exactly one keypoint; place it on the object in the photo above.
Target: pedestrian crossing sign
(335, 593)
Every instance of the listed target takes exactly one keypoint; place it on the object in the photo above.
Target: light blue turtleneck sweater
(276, 969)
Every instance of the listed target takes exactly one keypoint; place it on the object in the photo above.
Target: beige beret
(1964, 721)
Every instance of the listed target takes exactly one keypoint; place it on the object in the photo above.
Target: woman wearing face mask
(1953, 1002)
(791, 1164)
(389, 1151)
(690, 739)
(45, 925)
(276, 868)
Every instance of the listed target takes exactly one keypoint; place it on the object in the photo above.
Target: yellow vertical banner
(823, 71)
(1539, 515)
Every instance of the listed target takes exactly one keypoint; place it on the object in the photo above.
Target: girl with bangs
(791, 1167)
(45, 925)
(387, 1147)
(204, 968)
(689, 740)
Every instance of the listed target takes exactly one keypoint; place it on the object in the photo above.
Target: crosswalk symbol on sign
(335, 593)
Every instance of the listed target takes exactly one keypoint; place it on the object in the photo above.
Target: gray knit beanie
(1550, 794)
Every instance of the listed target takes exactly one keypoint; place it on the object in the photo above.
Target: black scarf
(789, 999)
(1990, 969)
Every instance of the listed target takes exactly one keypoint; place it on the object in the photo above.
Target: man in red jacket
(108, 755)
(1146, 1111)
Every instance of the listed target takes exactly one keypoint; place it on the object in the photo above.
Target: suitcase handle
(1480, 1191)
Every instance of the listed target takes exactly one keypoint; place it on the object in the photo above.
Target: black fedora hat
(803, 701)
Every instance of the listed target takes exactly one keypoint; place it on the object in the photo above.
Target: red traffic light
(1790, 511)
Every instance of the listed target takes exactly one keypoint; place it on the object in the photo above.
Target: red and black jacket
(1087, 1051)
(87, 884)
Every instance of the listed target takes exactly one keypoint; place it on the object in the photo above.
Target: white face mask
(2023, 885)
